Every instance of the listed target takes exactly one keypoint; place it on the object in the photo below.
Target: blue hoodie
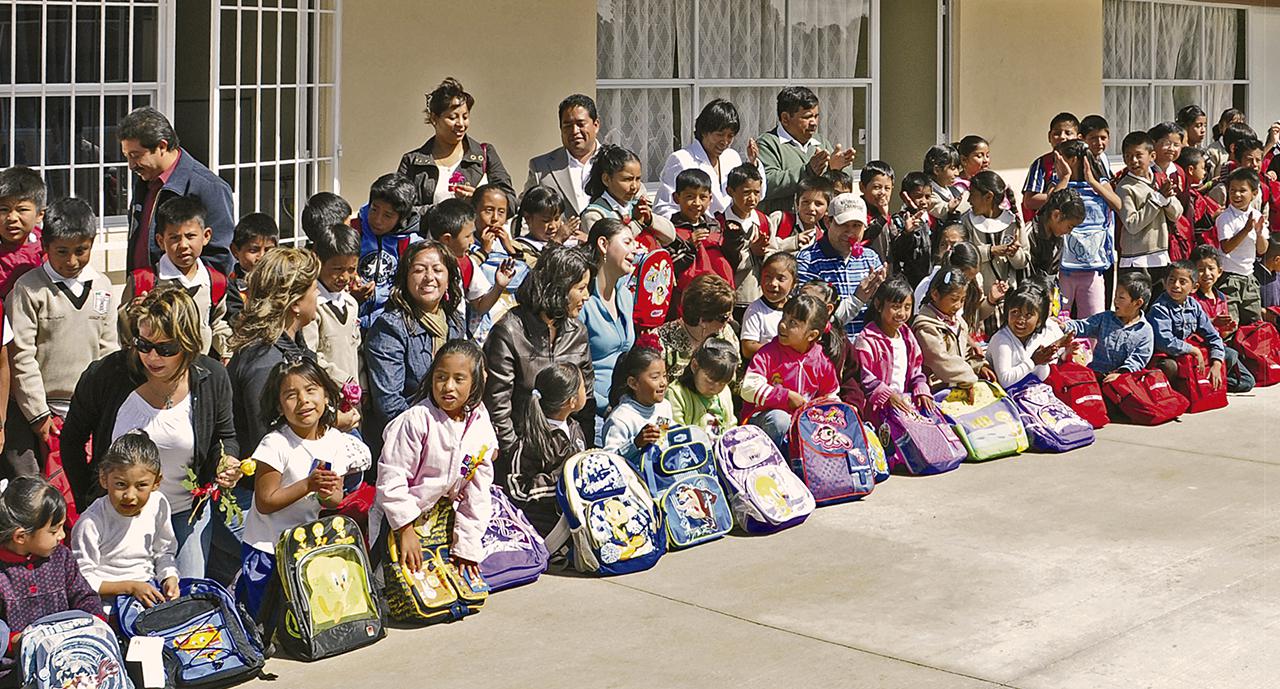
(379, 259)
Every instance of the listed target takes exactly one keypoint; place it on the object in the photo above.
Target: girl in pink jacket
(892, 363)
(441, 448)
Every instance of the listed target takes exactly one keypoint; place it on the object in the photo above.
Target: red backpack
(655, 279)
(1077, 387)
(144, 280)
(1194, 384)
(1145, 397)
(708, 257)
(1259, 347)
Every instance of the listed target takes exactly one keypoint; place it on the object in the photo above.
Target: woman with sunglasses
(707, 311)
(161, 383)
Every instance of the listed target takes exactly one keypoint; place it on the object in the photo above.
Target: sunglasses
(166, 349)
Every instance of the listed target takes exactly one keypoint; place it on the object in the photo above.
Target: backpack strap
(559, 536)
(217, 285)
(786, 225)
(144, 280)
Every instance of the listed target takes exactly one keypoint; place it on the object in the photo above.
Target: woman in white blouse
(710, 151)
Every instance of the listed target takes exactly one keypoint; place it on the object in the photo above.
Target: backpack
(764, 494)
(330, 605)
(829, 452)
(1194, 384)
(1145, 397)
(144, 280)
(1259, 347)
(51, 468)
(613, 524)
(921, 445)
(71, 649)
(209, 639)
(680, 473)
(1077, 386)
(655, 280)
(1051, 425)
(879, 462)
(1091, 244)
(514, 553)
(439, 591)
(989, 427)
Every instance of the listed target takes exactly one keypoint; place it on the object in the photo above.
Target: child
(1264, 271)
(1096, 133)
(701, 396)
(842, 258)
(387, 225)
(837, 345)
(1046, 236)
(1200, 210)
(950, 359)
(1030, 339)
(1124, 339)
(1043, 173)
(301, 465)
(841, 182)
(124, 542)
(1214, 302)
(913, 229)
(1174, 317)
(548, 436)
(876, 187)
(1241, 234)
(978, 307)
(540, 221)
(1168, 137)
(1247, 154)
(746, 187)
(975, 156)
(942, 165)
(796, 230)
(1195, 124)
(63, 318)
(789, 371)
(22, 202)
(890, 355)
(183, 234)
(38, 574)
(616, 191)
(324, 209)
(760, 322)
(998, 234)
(499, 257)
(638, 396)
(334, 335)
(255, 235)
(441, 448)
(453, 223)
(1217, 151)
(1146, 207)
(700, 245)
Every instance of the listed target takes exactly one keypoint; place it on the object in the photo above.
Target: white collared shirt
(695, 157)
(165, 270)
(324, 296)
(75, 285)
(579, 173)
(616, 205)
(786, 138)
(747, 224)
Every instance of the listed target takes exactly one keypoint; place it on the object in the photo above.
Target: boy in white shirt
(1242, 234)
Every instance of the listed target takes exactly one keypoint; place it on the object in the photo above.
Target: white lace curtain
(652, 41)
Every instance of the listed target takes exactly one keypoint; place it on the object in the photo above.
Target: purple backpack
(922, 445)
(514, 553)
(763, 493)
(1051, 425)
(829, 451)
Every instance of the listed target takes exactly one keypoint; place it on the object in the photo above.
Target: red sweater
(17, 259)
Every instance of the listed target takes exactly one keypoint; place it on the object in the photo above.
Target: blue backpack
(514, 553)
(209, 638)
(680, 472)
(71, 649)
(1090, 246)
(609, 516)
(1051, 425)
(830, 452)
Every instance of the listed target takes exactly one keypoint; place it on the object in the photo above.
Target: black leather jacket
(478, 160)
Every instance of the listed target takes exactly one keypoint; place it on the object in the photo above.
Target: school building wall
(1264, 86)
(908, 82)
(518, 59)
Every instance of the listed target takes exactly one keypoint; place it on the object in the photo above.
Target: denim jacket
(1123, 348)
(1172, 323)
(398, 353)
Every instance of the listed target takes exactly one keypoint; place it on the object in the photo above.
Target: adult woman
(451, 163)
(607, 312)
(422, 314)
(162, 383)
(543, 330)
(707, 308)
(713, 134)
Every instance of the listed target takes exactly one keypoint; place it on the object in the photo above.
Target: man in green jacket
(793, 150)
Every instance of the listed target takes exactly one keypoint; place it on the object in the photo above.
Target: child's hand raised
(1169, 186)
(361, 289)
(1045, 354)
(753, 152)
(569, 229)
(410, 548)
(323, 481)
(644, 211)
(647, 436)
(998, 291)
(505, 273)
(1060, 166)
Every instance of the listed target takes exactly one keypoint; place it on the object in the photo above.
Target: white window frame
(308, 108)
(869, 151)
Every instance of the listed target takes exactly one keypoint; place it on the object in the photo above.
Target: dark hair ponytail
(29, 503)
(831, 333)
(609, 161)
(554, 387)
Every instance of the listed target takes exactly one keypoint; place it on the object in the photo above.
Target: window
(659, 61)
(274, 131)
(1160, 56)
(69, 71)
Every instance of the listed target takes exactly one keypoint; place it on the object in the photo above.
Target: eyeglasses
(166, 349)
(721, 319)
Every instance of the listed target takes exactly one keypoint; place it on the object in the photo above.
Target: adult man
(567, 168)
(793, 150)
(164, 170)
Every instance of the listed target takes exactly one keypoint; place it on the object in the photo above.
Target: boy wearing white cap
(842, 259)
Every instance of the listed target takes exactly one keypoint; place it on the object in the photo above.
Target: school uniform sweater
(214, 330)
(56, 335)
(112, 547)
(712, 413)
(32, 587)
(1010, 357)
(776, 370)
(949, 358)
(785, 163)
(335, 335)
(1146, 230)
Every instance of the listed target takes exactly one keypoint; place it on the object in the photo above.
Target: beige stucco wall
(1017, 63)
(908, 82)
(517, 58)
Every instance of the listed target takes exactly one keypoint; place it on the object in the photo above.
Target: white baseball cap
(848, 207)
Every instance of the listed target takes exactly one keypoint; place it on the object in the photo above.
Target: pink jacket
(423, 461)
(875, 353)
(776, 369)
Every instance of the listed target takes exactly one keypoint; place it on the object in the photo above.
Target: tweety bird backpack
(439, 591)
(680, 472)
(763, 492)
(610, 520)
(990, 426)
(829, 451)
(330, 604)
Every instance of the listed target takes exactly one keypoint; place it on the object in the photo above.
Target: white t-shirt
(480, 283)
(112, 547)
(1230, 223)
(442, 191)
(899, 382)
(175, 437)
(760, 322)
(7, 336)
(294, 458)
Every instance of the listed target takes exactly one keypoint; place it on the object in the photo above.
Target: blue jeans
(208, 547)
(1239, 377)
(776, 424)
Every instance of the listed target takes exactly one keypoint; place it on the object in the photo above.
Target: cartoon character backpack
(921, 444)
(1051, 425)
(764, 494)
(655, 280)
(71, 649)
(879, 460)
(612, 523)
(514, 553)
(989, 427)
(330, 605)
(680, 472)
(829, 452)
(439, 591)
(208, 638)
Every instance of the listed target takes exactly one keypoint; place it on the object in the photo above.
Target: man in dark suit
(164, 170)
(567, 168)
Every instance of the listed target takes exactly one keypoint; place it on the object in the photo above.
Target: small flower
(249, 466)
(351, 396)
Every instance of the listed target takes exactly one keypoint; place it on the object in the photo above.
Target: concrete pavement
(1149, 559)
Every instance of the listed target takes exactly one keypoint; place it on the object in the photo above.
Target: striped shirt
(821, 261)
